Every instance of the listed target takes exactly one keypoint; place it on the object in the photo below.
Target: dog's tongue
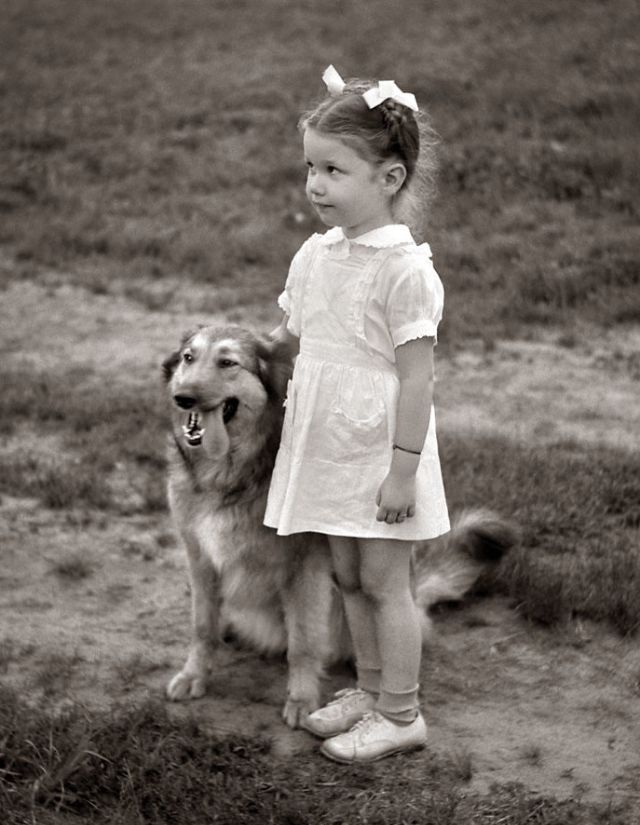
(215, 439)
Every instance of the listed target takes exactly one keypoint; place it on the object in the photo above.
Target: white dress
(351, 302)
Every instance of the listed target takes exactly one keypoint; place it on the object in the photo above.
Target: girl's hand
(396, 497)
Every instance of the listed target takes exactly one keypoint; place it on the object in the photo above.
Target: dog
(275, 593)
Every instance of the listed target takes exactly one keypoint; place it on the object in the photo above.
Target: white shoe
(341, 713)
(375, 737)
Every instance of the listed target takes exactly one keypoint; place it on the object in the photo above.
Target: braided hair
(404, 136)
(389, 131)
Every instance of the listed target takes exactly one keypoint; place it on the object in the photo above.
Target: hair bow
(334, 83)
(388, 89)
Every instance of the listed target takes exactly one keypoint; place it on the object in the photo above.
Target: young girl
(358, 458)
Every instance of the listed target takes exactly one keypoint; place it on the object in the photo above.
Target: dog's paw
(186, 685)
(296, 710)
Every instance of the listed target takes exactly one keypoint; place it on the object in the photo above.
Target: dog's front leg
(191, 681)
(307, 602)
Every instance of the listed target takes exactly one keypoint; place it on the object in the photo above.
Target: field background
(151, 179)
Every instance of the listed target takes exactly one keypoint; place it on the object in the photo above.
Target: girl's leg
(349, 706)
(397, 726)
(385, 567)
(359, 611)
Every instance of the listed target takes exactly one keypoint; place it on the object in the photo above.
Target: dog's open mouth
(194, 431)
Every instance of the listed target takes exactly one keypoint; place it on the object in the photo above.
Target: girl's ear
(395, 175)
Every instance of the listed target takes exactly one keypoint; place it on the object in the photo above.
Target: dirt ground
(556, 710)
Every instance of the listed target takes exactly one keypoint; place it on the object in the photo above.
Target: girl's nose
(314, 184)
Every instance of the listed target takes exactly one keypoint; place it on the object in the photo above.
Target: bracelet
(404, 450)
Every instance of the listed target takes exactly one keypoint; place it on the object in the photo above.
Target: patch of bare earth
(95, 607)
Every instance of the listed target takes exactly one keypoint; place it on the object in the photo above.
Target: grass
(73, 568)
(103, 442)
(53, 674)
(532, 754)
(579, 512)
(135, 765)
(151, 150)
(12, 651)
(132, 669)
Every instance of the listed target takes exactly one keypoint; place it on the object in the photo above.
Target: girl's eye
(332, 169)
(227, 362)
(187, 356)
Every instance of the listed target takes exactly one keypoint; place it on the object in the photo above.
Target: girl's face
(345, 189)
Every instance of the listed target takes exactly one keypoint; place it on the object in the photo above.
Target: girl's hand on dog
(396, 497)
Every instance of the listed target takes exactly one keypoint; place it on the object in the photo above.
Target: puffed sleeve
(290, 299)
(415, 299)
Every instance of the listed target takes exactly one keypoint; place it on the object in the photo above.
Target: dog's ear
(275, 364)
(169, 365)
(171, 362)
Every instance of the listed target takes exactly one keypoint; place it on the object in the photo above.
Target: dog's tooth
(192, 421)
(192, 430)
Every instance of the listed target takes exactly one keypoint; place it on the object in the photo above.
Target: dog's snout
(185, 402)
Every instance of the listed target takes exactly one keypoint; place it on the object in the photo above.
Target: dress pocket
(359, 414)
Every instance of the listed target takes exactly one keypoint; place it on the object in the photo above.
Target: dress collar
(393, 234)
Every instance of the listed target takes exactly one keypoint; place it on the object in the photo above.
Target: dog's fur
(275, 593)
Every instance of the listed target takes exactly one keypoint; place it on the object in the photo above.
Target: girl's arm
(397, 495)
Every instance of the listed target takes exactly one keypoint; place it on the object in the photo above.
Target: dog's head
(223, 382)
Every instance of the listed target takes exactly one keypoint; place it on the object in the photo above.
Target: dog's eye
(187, 356)
(227, 362)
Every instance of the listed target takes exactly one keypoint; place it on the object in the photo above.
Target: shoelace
(343, 694)
(370, 717)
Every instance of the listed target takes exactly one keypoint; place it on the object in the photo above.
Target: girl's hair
(388, 131)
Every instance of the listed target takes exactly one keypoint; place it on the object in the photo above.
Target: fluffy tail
(447, 568)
